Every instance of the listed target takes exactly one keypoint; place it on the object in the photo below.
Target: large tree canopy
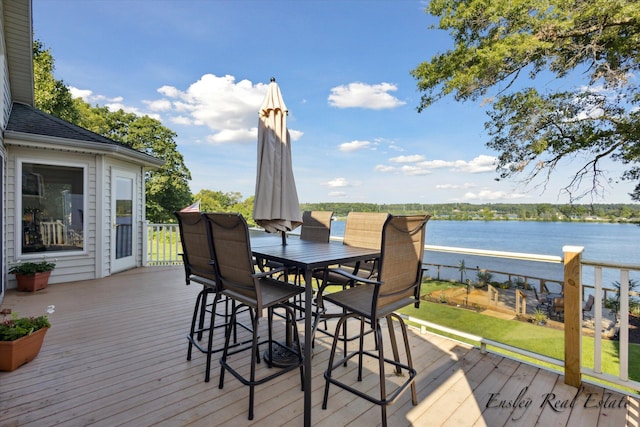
(167, 189)
(592, 47)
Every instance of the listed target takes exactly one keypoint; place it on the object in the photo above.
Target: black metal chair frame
(363, 302)
(256, 290)
(206, 277)
(334, 277)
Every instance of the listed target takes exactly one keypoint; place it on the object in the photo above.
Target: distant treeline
(493, 211)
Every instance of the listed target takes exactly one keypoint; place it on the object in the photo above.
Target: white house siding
(69, 267)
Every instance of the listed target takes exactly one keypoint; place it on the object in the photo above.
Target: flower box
(14, 354)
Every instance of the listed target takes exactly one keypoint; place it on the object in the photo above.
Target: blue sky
(202, 67)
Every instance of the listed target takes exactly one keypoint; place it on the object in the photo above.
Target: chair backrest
(316, 226)
(558, 304)
(589, 304)
(400, 269)
(229, 236)
(364, 229)
(196, 252)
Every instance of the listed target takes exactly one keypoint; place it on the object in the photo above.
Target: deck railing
(163, 247)
(621, 307)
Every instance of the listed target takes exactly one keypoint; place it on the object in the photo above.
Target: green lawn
(538, 339)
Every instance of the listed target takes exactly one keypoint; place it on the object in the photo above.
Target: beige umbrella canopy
(276, 207)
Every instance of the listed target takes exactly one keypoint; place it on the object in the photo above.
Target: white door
(123, 221)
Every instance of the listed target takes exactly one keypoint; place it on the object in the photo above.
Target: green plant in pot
(32, 276)
(21, 338)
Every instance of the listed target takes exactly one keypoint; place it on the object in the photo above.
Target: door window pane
(52, 208)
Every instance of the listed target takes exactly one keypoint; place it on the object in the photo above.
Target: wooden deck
(116, 355)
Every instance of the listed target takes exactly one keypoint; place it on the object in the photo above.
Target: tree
(50, 95)
(217, 201)
(591, 49)
(166, 189)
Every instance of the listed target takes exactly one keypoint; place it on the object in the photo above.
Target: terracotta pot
(33, 282)
(14, 354)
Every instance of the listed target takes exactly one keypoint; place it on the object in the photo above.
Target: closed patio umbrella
(276, 207)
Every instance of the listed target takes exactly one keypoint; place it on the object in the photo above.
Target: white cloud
(480, 164)
(414, 170)
(493, 195)
(85, 94)
(295, 135)
(354, 146)
(226, 107)
(337, 183)
(384, 168)
(181, 120)
(416, 164)
(362, 95)
(234, 135)
(338, 194)
(436, 164)
(407, 159)
(159, 105)
(466, 185)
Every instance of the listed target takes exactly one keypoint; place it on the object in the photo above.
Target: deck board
(116, 356)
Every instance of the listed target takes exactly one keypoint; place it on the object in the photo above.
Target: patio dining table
(307, 256)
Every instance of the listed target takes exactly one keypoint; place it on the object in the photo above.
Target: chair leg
(254, 354)
(407, 349)
(329, 370)
(192, 331)
(394, 345)
(384, 400)
(383, 385)
(212, 324)
(203, 311)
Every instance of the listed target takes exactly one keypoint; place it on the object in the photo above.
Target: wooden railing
(163, 247)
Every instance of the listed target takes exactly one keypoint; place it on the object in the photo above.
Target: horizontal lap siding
(68, 267)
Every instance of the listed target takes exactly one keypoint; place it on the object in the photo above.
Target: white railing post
(572, 315)
(145, 243)
(623, 337)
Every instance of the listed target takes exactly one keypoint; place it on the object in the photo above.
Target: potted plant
(21, 338)
(32, 276)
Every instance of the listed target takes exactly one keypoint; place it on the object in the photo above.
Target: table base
(282, 356)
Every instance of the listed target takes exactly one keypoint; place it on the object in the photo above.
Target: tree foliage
(51, 96)
(591, 48)
(217, 201)
(167, 189)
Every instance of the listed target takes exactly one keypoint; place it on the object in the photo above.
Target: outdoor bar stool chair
(258, 290)
(362, 229)
(586, 309)
(543, 301)
(196, 257)
(557, 308)
(316, 227)
(398, 285)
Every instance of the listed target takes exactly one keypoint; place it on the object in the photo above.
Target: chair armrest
(269, 273)
(354, 277)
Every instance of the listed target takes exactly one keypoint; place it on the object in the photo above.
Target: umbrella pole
(284, 238)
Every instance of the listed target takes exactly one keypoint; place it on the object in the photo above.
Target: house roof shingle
(26, 119)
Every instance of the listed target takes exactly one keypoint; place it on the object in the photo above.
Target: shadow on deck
(116, 355)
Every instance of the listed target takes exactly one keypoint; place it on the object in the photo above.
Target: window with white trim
(52, 206)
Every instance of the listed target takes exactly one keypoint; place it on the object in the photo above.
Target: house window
(52, 205)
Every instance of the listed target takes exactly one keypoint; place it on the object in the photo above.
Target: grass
(542, 340)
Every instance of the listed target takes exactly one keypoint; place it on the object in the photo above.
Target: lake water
(618, 243)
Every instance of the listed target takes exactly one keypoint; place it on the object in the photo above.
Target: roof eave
(40, 141)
